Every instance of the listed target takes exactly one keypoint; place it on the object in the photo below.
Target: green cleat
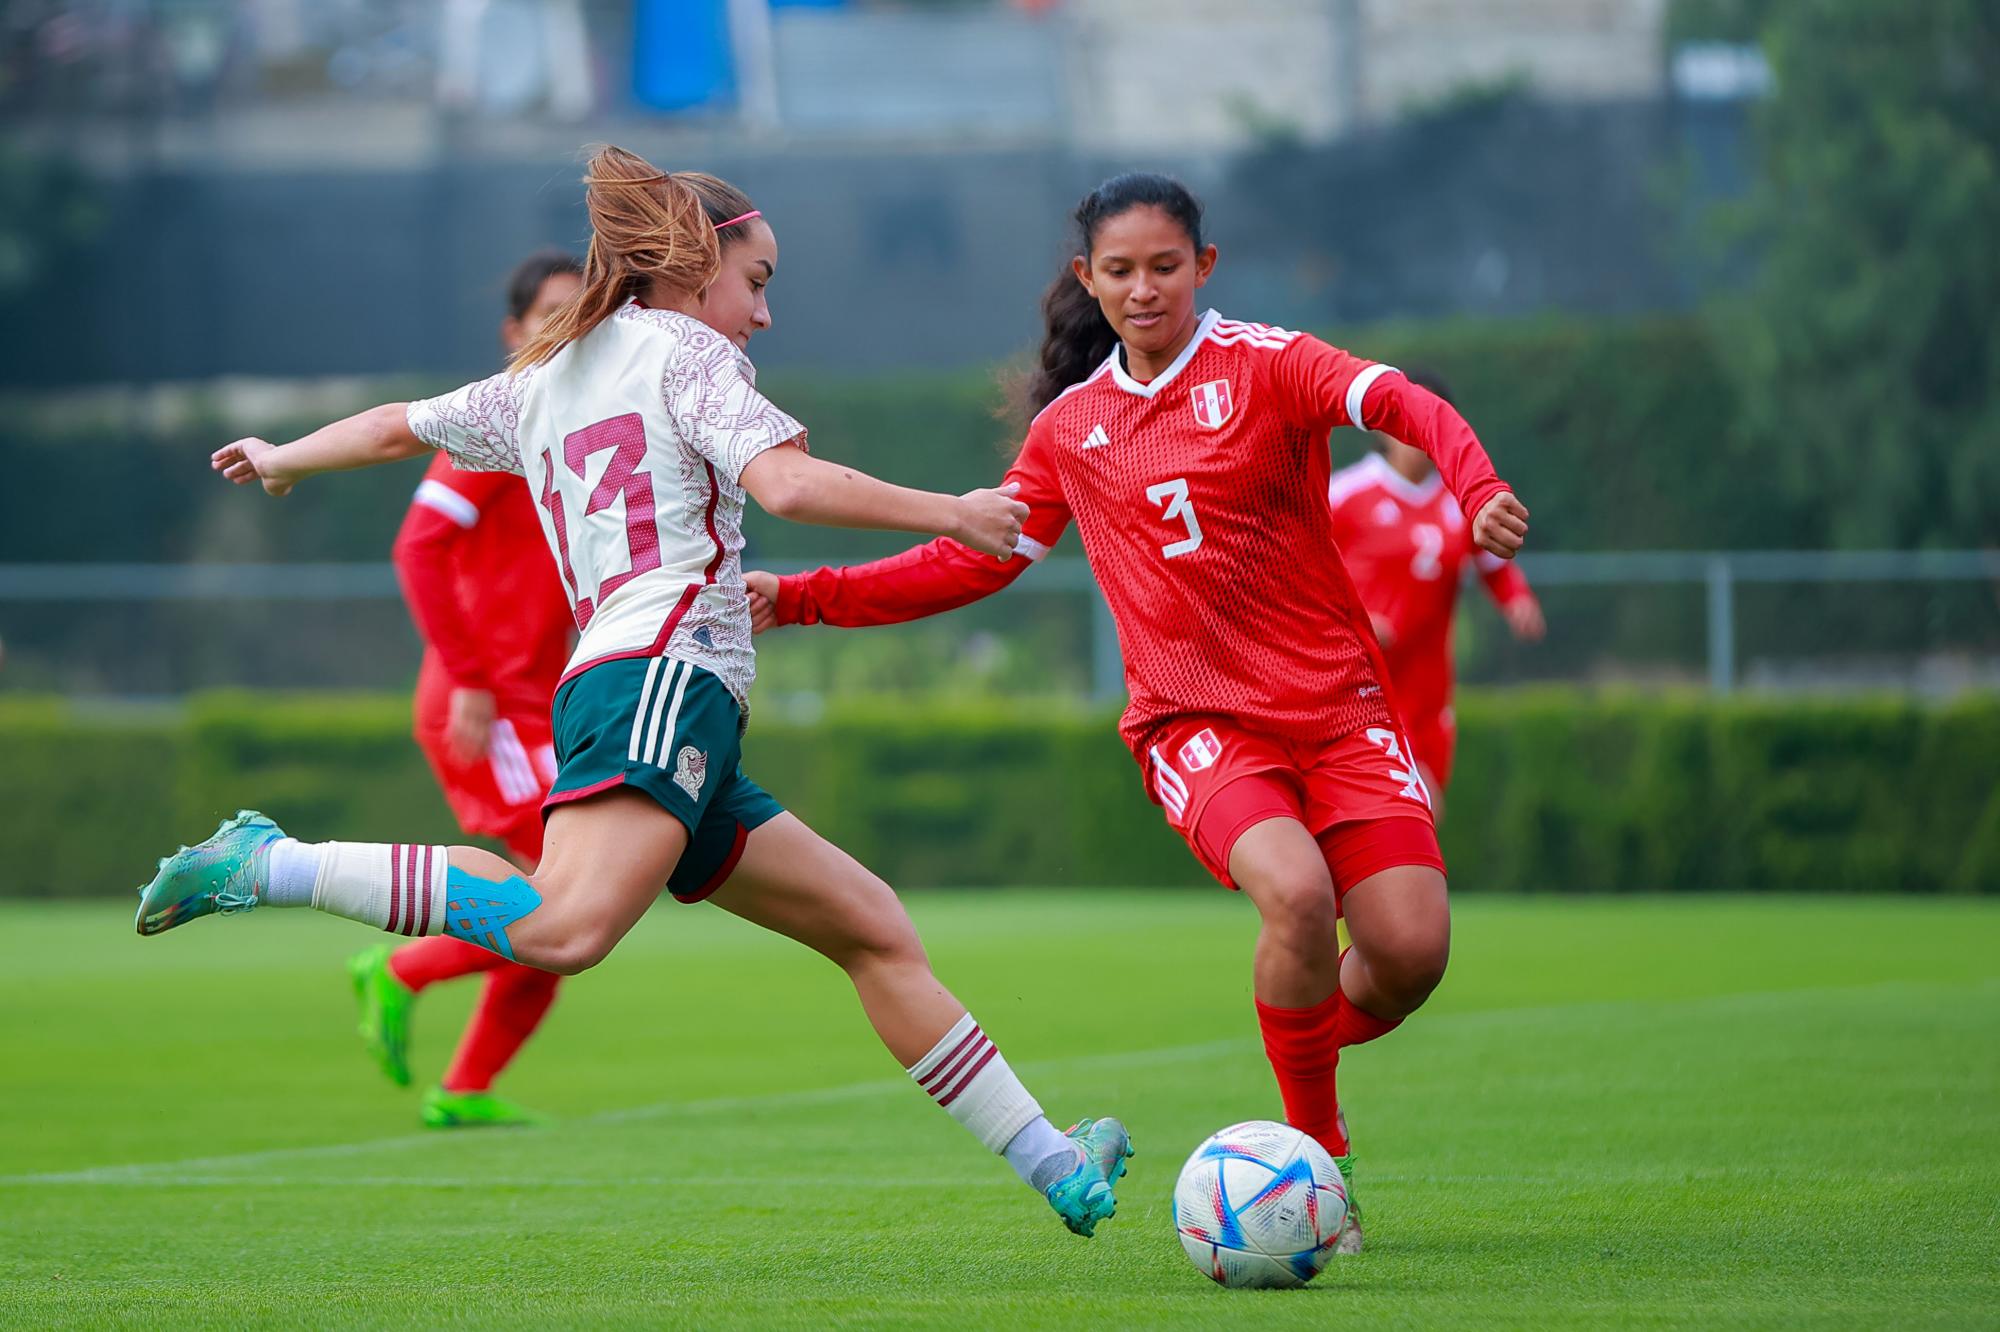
(221, 876)
(1084, 1197)
(1349, 1239)
(450, 1109)
(385, 1011)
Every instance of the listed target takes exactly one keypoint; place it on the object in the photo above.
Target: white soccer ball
(1259, 1205)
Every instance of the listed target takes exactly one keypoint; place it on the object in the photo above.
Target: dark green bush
(1555, 791)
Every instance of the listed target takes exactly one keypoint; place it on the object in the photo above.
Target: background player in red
(1191, 452)
(497, 630)
(1405, 542)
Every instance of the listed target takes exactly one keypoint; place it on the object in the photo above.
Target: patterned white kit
(633, 440)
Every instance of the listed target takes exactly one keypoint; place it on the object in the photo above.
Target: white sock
(290, 874)
(396, 887)
(967, 1075)
(1041, 1155)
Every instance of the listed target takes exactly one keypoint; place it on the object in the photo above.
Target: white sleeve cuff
(1357, 391)
(436, 495)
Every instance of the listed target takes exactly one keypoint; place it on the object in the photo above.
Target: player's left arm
(1508, 586)
(1325, 387)
(1511, 593)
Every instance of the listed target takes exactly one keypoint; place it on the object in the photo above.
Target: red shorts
(500, 794)
(1359, 796)
(1433, 739)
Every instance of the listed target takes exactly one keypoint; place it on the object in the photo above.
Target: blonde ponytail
(646, 226)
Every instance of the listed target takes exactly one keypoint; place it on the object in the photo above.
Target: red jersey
(483, 588)
(1199, 498)
(1406, 544)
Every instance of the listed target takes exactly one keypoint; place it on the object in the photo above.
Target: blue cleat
(1084, 1197)
(221, 876)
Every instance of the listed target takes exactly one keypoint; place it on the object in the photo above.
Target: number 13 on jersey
(1174, 494)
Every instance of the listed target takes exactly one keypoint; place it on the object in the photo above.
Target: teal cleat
(1084, 1197)
(385, 1011)
(221, 876)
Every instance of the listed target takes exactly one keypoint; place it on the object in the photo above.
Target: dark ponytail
(1076, 337)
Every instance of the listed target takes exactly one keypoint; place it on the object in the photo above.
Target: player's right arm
(926, 580)
(475, 424)
(378, 435)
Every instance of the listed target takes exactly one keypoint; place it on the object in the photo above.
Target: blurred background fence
(1926, 622)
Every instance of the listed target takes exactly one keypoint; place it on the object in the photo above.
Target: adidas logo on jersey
(1096, 439)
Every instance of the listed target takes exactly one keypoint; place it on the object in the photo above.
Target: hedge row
(1555, 792)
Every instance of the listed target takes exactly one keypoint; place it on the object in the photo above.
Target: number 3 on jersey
(1174, 494)
(626, 436)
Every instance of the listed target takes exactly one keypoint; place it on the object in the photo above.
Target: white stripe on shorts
(1167, 783)
(663, 737)
(639, 713)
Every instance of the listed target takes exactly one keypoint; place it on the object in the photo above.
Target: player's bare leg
(604, 862)
(1311, 999)
(1280, 867)
(796, 883)
(1400, 921)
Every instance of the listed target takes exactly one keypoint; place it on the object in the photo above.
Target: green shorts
(670, 729)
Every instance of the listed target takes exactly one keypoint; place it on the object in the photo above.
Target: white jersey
(633, 440)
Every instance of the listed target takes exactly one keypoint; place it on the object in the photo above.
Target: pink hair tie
(724, 226)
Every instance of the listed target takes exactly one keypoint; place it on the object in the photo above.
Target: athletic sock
(511, 1006)
(422, 963)
(396, 887)
(1354, 1025)
(967, 1075)
(1305, 1055)
(290, 874)
(1041, 1155)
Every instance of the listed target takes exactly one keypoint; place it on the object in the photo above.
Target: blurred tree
(1867, 348)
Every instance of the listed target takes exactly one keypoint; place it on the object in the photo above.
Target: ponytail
(646, 226)
(1076, 338)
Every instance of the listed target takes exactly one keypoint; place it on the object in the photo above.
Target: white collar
(1125, 381)
(1408, 491)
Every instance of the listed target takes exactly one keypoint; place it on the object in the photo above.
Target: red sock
(1357, 1026)
(1304, 1053)
(510, 1008)
(426, 961)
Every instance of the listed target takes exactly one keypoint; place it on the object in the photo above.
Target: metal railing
(1719, 573)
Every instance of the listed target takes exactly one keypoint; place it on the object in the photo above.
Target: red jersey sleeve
(1320, 386)
(939, 575)
(1503, 579)
(446, 507)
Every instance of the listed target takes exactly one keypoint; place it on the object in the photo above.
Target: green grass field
(1712, 1112)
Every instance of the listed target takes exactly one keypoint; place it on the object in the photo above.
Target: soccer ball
(1259, 1205)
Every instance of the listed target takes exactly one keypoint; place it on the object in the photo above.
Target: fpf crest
(1212, 405)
